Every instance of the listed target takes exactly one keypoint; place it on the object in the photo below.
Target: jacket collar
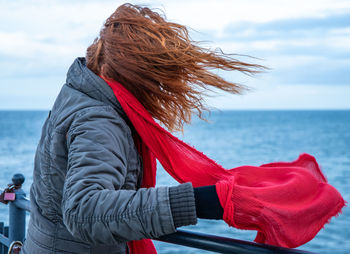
(81, 78)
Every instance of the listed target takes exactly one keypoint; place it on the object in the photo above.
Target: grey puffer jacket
(85, 195)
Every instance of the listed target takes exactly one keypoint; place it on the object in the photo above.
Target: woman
(95, 163)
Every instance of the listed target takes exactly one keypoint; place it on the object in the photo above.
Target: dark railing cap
(18, 179)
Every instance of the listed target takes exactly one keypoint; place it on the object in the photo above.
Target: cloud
(309, 50)
(303, 42)
(333, 21)
(42, 38)
(292, 28)
(296, 96)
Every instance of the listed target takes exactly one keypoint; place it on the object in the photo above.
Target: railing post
(6, 234)
(17, 221)
(1, 232)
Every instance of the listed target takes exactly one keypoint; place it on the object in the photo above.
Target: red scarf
(286, 202)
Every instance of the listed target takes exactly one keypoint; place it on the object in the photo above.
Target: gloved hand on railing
(207, 203)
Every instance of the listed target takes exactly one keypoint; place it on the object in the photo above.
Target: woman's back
(86, 151)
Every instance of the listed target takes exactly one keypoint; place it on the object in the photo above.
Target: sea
(232, 138)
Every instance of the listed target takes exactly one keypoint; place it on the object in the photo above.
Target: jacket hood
(81, 78)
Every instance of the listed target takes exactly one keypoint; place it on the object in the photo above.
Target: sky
(305, 45)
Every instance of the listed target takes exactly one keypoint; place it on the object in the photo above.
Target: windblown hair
(160, 64)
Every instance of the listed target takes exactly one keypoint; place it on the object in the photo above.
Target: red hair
(160, 64)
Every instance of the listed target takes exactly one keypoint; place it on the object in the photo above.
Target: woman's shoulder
(73, 108)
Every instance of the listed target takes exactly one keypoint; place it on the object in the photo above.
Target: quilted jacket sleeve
(94, 207)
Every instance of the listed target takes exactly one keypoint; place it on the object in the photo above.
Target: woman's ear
(103, 69)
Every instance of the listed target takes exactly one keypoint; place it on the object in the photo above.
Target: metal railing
(220, 244)
(17, 221)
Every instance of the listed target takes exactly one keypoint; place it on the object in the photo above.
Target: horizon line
(218, 109)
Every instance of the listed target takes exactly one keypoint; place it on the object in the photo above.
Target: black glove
(207, 203)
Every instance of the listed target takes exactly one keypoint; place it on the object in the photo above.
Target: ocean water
(232, 138)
